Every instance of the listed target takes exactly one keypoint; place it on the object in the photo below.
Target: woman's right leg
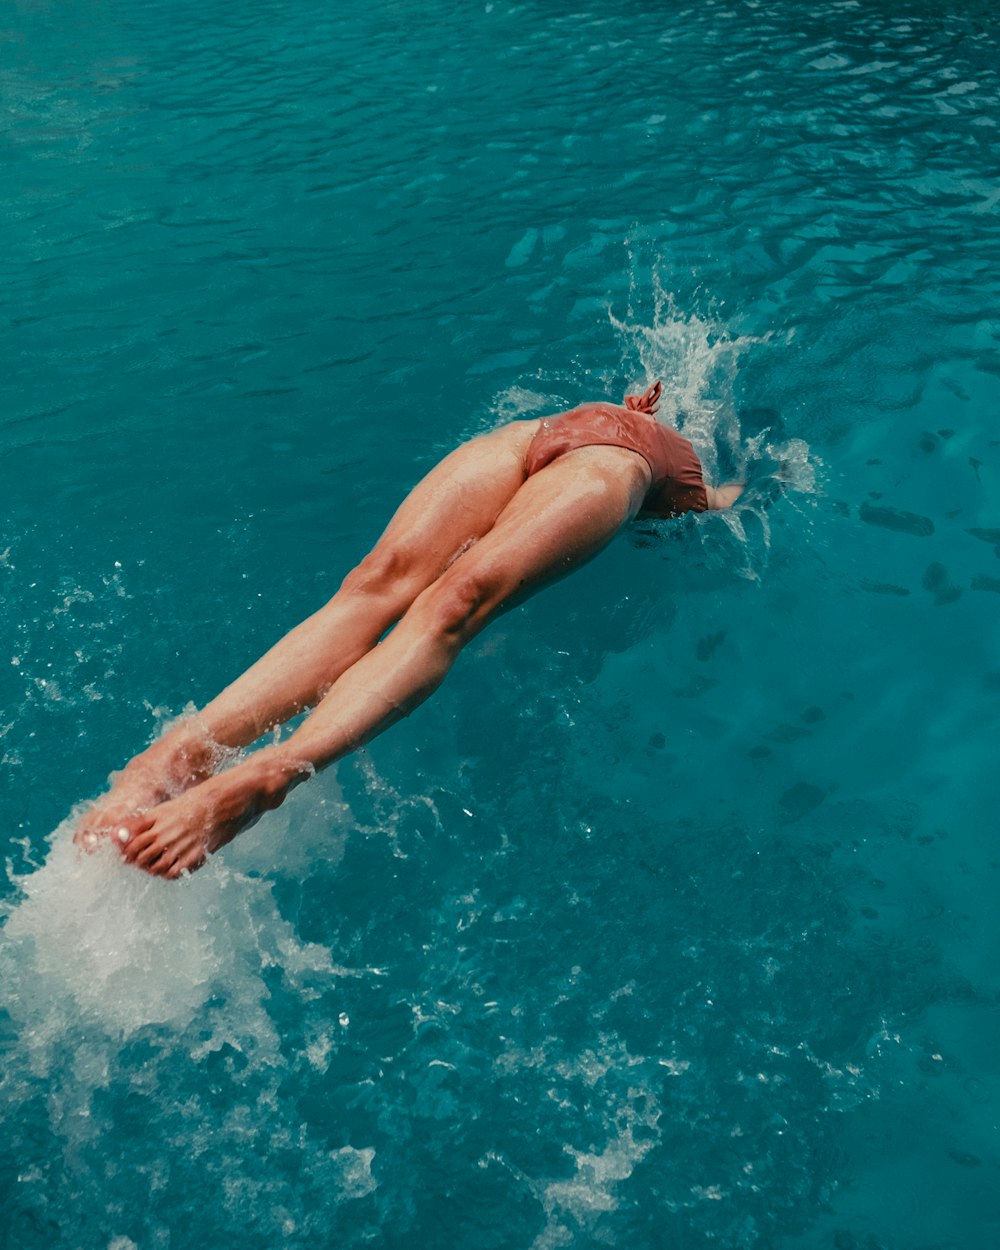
(452, 507)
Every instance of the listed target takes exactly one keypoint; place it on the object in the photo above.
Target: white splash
(93, 936)
(114, 981)
(698, 360)
(95, 949)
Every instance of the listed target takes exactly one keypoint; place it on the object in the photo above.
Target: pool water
(670, 920)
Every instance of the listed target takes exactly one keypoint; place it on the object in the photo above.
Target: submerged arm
(721, 497)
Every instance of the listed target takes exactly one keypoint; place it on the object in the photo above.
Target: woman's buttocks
(591, 425)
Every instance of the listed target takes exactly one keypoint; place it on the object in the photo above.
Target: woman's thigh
(559, 518)
(456, 503)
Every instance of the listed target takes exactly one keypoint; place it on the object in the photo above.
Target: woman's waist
(614, 426)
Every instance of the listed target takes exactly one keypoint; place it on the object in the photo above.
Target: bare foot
(178, 835)
(174, 763)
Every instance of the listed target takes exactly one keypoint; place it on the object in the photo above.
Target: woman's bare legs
(558, 519)
(452, 507)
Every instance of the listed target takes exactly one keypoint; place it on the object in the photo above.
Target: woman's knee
(458, 605)
(390, 570)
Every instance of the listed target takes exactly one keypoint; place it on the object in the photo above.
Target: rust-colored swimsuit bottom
(677, 486)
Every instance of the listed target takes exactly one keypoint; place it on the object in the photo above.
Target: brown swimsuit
(677, 485)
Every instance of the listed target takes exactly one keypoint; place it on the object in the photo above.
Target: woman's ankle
(185, 753)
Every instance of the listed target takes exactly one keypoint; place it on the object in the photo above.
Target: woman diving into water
(497, 519)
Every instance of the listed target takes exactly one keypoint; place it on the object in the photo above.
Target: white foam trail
(617, 1088)
(355, 1171)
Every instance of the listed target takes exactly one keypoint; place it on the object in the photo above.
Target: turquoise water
(669, 922)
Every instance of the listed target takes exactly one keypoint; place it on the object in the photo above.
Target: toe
(128, 834)
(148, 855)
(86, 839)
(139, 845)
(183, 866)
(194, 860)
(155, 862)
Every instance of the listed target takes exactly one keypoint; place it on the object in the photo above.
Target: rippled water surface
(670, 921)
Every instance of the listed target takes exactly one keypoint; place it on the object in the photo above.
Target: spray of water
(698, 360)
(101, 963)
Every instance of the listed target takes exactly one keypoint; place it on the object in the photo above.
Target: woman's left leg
(558, 519)
(452, 507)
